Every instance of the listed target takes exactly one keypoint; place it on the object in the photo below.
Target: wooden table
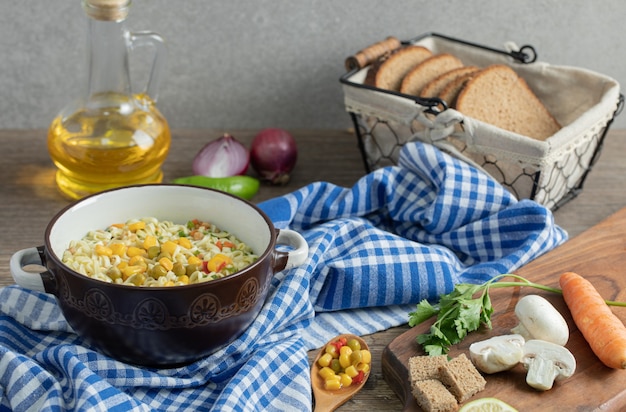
(29, 199)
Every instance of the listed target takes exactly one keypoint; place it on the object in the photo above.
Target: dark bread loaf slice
(428, 70)
(438, 84)
(452, 89)
(387, 73)
(498, 96)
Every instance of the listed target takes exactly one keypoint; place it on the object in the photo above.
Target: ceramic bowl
(160, 326)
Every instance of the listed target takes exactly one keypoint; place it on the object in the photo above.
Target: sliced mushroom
(540, 320)
(497, 354)
(546, 362)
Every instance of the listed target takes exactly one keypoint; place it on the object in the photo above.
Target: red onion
(273, 154)
(222, 157)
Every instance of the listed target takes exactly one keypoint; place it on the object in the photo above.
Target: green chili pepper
(243, 186)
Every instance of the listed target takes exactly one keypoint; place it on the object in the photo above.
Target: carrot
(605, 332)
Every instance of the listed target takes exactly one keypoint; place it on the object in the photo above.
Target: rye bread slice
(498, 96)
(428, 70)
(432, 396)
(388, 72)
(461, 378)
(452, 89)
(437, 85)
(425, 367)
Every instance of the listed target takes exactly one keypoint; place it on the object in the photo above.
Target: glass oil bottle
(111, 136)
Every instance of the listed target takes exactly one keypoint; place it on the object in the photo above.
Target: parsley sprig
(464, 310)
(461, 311)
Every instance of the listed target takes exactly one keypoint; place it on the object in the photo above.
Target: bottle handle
(154, 40)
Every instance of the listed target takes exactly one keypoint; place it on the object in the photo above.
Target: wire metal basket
(551, 172)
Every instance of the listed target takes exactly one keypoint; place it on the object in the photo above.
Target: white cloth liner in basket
(583, 102)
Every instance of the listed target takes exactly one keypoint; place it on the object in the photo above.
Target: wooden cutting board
(599, 254)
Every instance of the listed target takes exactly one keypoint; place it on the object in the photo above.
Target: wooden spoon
(326, 400)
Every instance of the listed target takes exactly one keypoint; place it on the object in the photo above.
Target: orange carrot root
(605, 332)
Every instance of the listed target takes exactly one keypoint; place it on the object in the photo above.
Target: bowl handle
(297, 252)
(28, 280)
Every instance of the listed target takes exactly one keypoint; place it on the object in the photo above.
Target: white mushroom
(498, 353)
(540, 320)
(546, 362)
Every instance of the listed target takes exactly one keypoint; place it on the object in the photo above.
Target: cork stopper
(107, 10)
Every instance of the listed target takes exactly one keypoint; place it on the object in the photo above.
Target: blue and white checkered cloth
(398, 235)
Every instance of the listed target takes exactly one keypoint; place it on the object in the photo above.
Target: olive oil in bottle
(111, 137)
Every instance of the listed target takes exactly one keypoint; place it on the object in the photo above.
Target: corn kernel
(194, 260)
(169, 247)
(344, 360)
(351, 371)
(345, 350)
(345, 380)
(366, 356)
(134, 251)
(365, 367)
(137, 260)
(327, 373)
(133, 227)
(332, 349)
(184, 242)
(119, 249)
(218, 262)
(325, 359)
(129, 271)
(332, 385)
(102, 250)
(184, 279)
(149, 241)
(169, 283)
(166, 263)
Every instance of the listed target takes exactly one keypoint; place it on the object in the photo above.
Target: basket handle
(525, 54)
(372, 53)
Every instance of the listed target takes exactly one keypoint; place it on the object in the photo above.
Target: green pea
(356, 357)
(191, 269)
(114, 273)
(158, 271)
(153, 251)
(137, 279)
(179, 269)
(242, 186)
(354, 344)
